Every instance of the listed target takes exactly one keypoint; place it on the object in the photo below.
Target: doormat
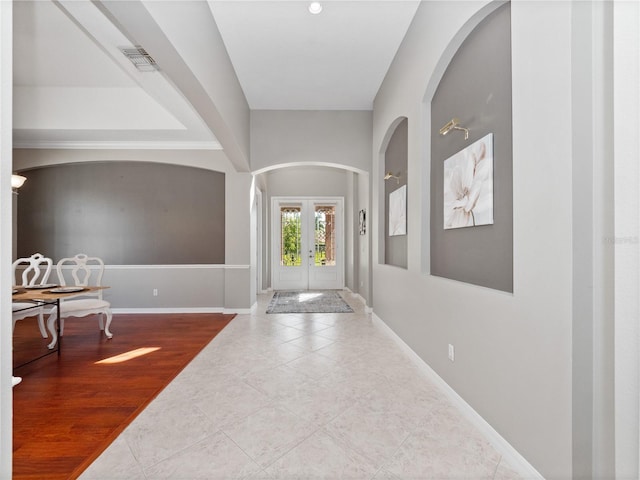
(308, 302)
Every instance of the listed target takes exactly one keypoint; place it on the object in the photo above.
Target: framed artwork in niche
(398, 212)
(468, 186)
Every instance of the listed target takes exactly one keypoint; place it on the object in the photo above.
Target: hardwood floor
(68, 408)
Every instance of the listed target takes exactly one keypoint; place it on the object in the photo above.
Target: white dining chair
(80, 271)
(36, 273)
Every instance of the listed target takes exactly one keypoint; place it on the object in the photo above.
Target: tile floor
(301, 396)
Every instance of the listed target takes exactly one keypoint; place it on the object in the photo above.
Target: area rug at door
(308, 302)
(69, 408)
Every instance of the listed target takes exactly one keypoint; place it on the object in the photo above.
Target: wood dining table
(50, 295)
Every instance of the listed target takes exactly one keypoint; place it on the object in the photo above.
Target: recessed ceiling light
(315, 8)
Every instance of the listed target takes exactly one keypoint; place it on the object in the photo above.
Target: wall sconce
(389, 175)
(16, 182)
(454, 124)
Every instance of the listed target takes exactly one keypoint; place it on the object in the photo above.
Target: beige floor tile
(376, 436)
(290, 320)
(320, 457)
(281, 381)
(230, 402)
(302, 396)
(117, 463)
(311, 342)
(165, 428)
(314, 365)
(269, 433)
(505, 472)
(384, 475)
(286, 352)
(215, 457)
(311, 326)
(444, 446)
(315, 403)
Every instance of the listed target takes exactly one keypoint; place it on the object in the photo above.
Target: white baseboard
(367, 309)
(511, 456)
(181, 310)
(238, 311)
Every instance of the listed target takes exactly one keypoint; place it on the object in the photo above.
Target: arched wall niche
(475, 87)
(455, 44)
(432, 85)
(393, 203)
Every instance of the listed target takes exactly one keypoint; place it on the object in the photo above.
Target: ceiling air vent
(140, 58)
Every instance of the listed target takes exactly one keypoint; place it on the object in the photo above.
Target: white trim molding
(367, 308)
(119, 145)
(145, 310)
(237, 311)
(511, 456)
(187, 265)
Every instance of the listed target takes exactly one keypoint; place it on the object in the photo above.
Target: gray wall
(239, 239)
(514, 352)
(341, 138)
(307, 181)
(476, 88)
(351, 218)
(363, 242)
(223, 287)
(124, 212)
(286, 138)
(395, 161)
(179, 288)
(359, 251)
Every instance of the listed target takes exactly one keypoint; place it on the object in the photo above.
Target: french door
(307, 243)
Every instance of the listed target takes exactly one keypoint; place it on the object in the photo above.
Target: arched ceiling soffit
(308, 164)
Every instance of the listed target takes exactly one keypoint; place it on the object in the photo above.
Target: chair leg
(109, 315)
(51, 326)
(43, 332)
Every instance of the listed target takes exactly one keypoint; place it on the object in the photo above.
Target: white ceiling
(73, 87)
(288, 59)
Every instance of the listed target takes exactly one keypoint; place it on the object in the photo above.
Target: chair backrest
(83, 270)
(37, 271)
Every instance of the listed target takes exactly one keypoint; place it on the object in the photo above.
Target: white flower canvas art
(398, 212)
(468, 186)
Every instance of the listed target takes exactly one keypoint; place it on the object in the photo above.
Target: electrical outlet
(155, 292)
(452, 353)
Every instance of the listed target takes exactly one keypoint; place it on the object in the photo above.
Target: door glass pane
(290, 242)
(325, 236)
